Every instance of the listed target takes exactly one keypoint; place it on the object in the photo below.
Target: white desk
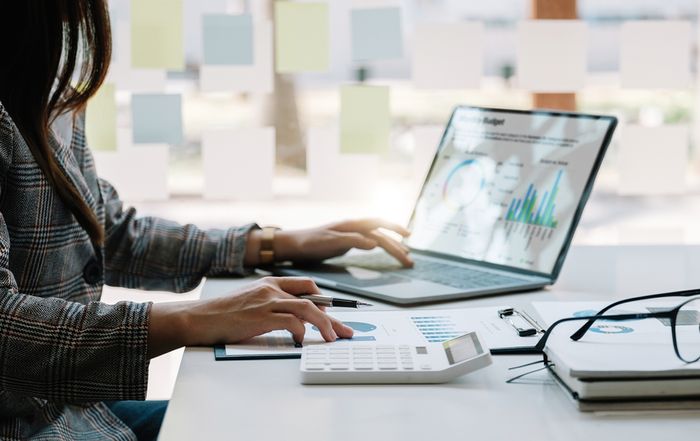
(263, 400)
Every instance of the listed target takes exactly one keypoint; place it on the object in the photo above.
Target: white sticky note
(655, 54)
(333, 176)
(653, 160)
(138, 173)
(123, 75)
(551, 55)
(257, 78)
(448, 55)
(426, 140)
(239, 164)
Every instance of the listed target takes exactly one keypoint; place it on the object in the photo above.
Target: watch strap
(267, 245)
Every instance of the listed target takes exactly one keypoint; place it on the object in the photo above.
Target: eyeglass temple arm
(543, 340)
(576, 336)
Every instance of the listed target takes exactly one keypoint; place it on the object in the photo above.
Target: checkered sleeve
(156, 254)
(63, 351)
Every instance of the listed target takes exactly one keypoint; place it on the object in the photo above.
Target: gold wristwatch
(267, 245)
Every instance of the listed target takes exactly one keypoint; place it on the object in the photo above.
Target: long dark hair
(44, 44)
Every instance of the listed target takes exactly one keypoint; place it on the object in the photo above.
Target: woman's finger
(356, 240)
(367, 225)
(307, 311)
(296, 285)
(392, 247)
(340, 328)
(291, 323)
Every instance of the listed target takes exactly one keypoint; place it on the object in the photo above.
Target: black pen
(334, 301)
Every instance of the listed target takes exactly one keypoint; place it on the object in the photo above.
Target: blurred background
(635, 59)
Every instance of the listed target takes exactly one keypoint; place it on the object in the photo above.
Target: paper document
(408, 327)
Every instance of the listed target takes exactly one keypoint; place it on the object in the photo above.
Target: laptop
(496, 214)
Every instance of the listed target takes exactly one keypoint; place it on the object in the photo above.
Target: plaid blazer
(61, 351)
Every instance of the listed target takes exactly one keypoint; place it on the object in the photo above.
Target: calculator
(374, 363)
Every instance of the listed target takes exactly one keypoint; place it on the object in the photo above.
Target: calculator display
(462, 348)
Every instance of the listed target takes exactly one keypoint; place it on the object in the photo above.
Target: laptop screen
(507, 187)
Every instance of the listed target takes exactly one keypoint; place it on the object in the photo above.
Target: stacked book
(627, 365)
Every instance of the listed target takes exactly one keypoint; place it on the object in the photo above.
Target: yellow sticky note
(364, 119)
(101, 119)
(157, 34)
(302, 37)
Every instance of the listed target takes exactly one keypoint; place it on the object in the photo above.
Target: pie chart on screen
(464, 183)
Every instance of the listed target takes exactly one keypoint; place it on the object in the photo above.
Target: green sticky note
(364, 119)
(101, 119)
(302, 37)
(157, 34)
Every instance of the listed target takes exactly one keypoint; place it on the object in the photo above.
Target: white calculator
(363, 363)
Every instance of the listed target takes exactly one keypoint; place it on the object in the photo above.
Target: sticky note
(228, 39)
(157, 118)
(448, 55)
(239, 164)
(337, 177)
(551, 55)
(376, 34)
(138, 173)
(157, 40)
(101, 119)
(653, 160)
(255, 78)
(364, 119)
(302, 37)
(655, 54)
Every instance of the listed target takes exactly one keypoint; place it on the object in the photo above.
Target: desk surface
(263, 400)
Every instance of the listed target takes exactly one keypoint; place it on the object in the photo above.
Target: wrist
(169, 327)
(285, 246)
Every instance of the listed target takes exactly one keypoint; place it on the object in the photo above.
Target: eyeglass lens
(688, 331)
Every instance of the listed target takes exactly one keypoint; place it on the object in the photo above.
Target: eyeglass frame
(671, 314)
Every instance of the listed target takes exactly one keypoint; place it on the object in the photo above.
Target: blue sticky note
(228, 39)
(157, 118)
(376, 34)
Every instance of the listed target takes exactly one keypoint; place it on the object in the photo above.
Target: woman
(68, 364)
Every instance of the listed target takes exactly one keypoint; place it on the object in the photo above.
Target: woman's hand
(266, 305)
(317, 244)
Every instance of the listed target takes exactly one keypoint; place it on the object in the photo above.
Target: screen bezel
(554, 274)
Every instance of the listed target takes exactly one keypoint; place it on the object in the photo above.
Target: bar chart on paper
(436, 329)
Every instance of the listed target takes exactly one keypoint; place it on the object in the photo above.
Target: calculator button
(339, 356)
(315, 367)
(340, 367)
(408, 367)
(425, 367)
(363, 367)
(391, 367)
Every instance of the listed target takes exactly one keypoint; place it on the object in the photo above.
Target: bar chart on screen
(534, 214)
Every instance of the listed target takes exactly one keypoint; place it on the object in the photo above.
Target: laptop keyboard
(433, 271)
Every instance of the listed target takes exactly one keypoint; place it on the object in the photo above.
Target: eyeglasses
(684, 321)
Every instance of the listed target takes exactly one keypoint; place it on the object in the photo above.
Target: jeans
(144, 418)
